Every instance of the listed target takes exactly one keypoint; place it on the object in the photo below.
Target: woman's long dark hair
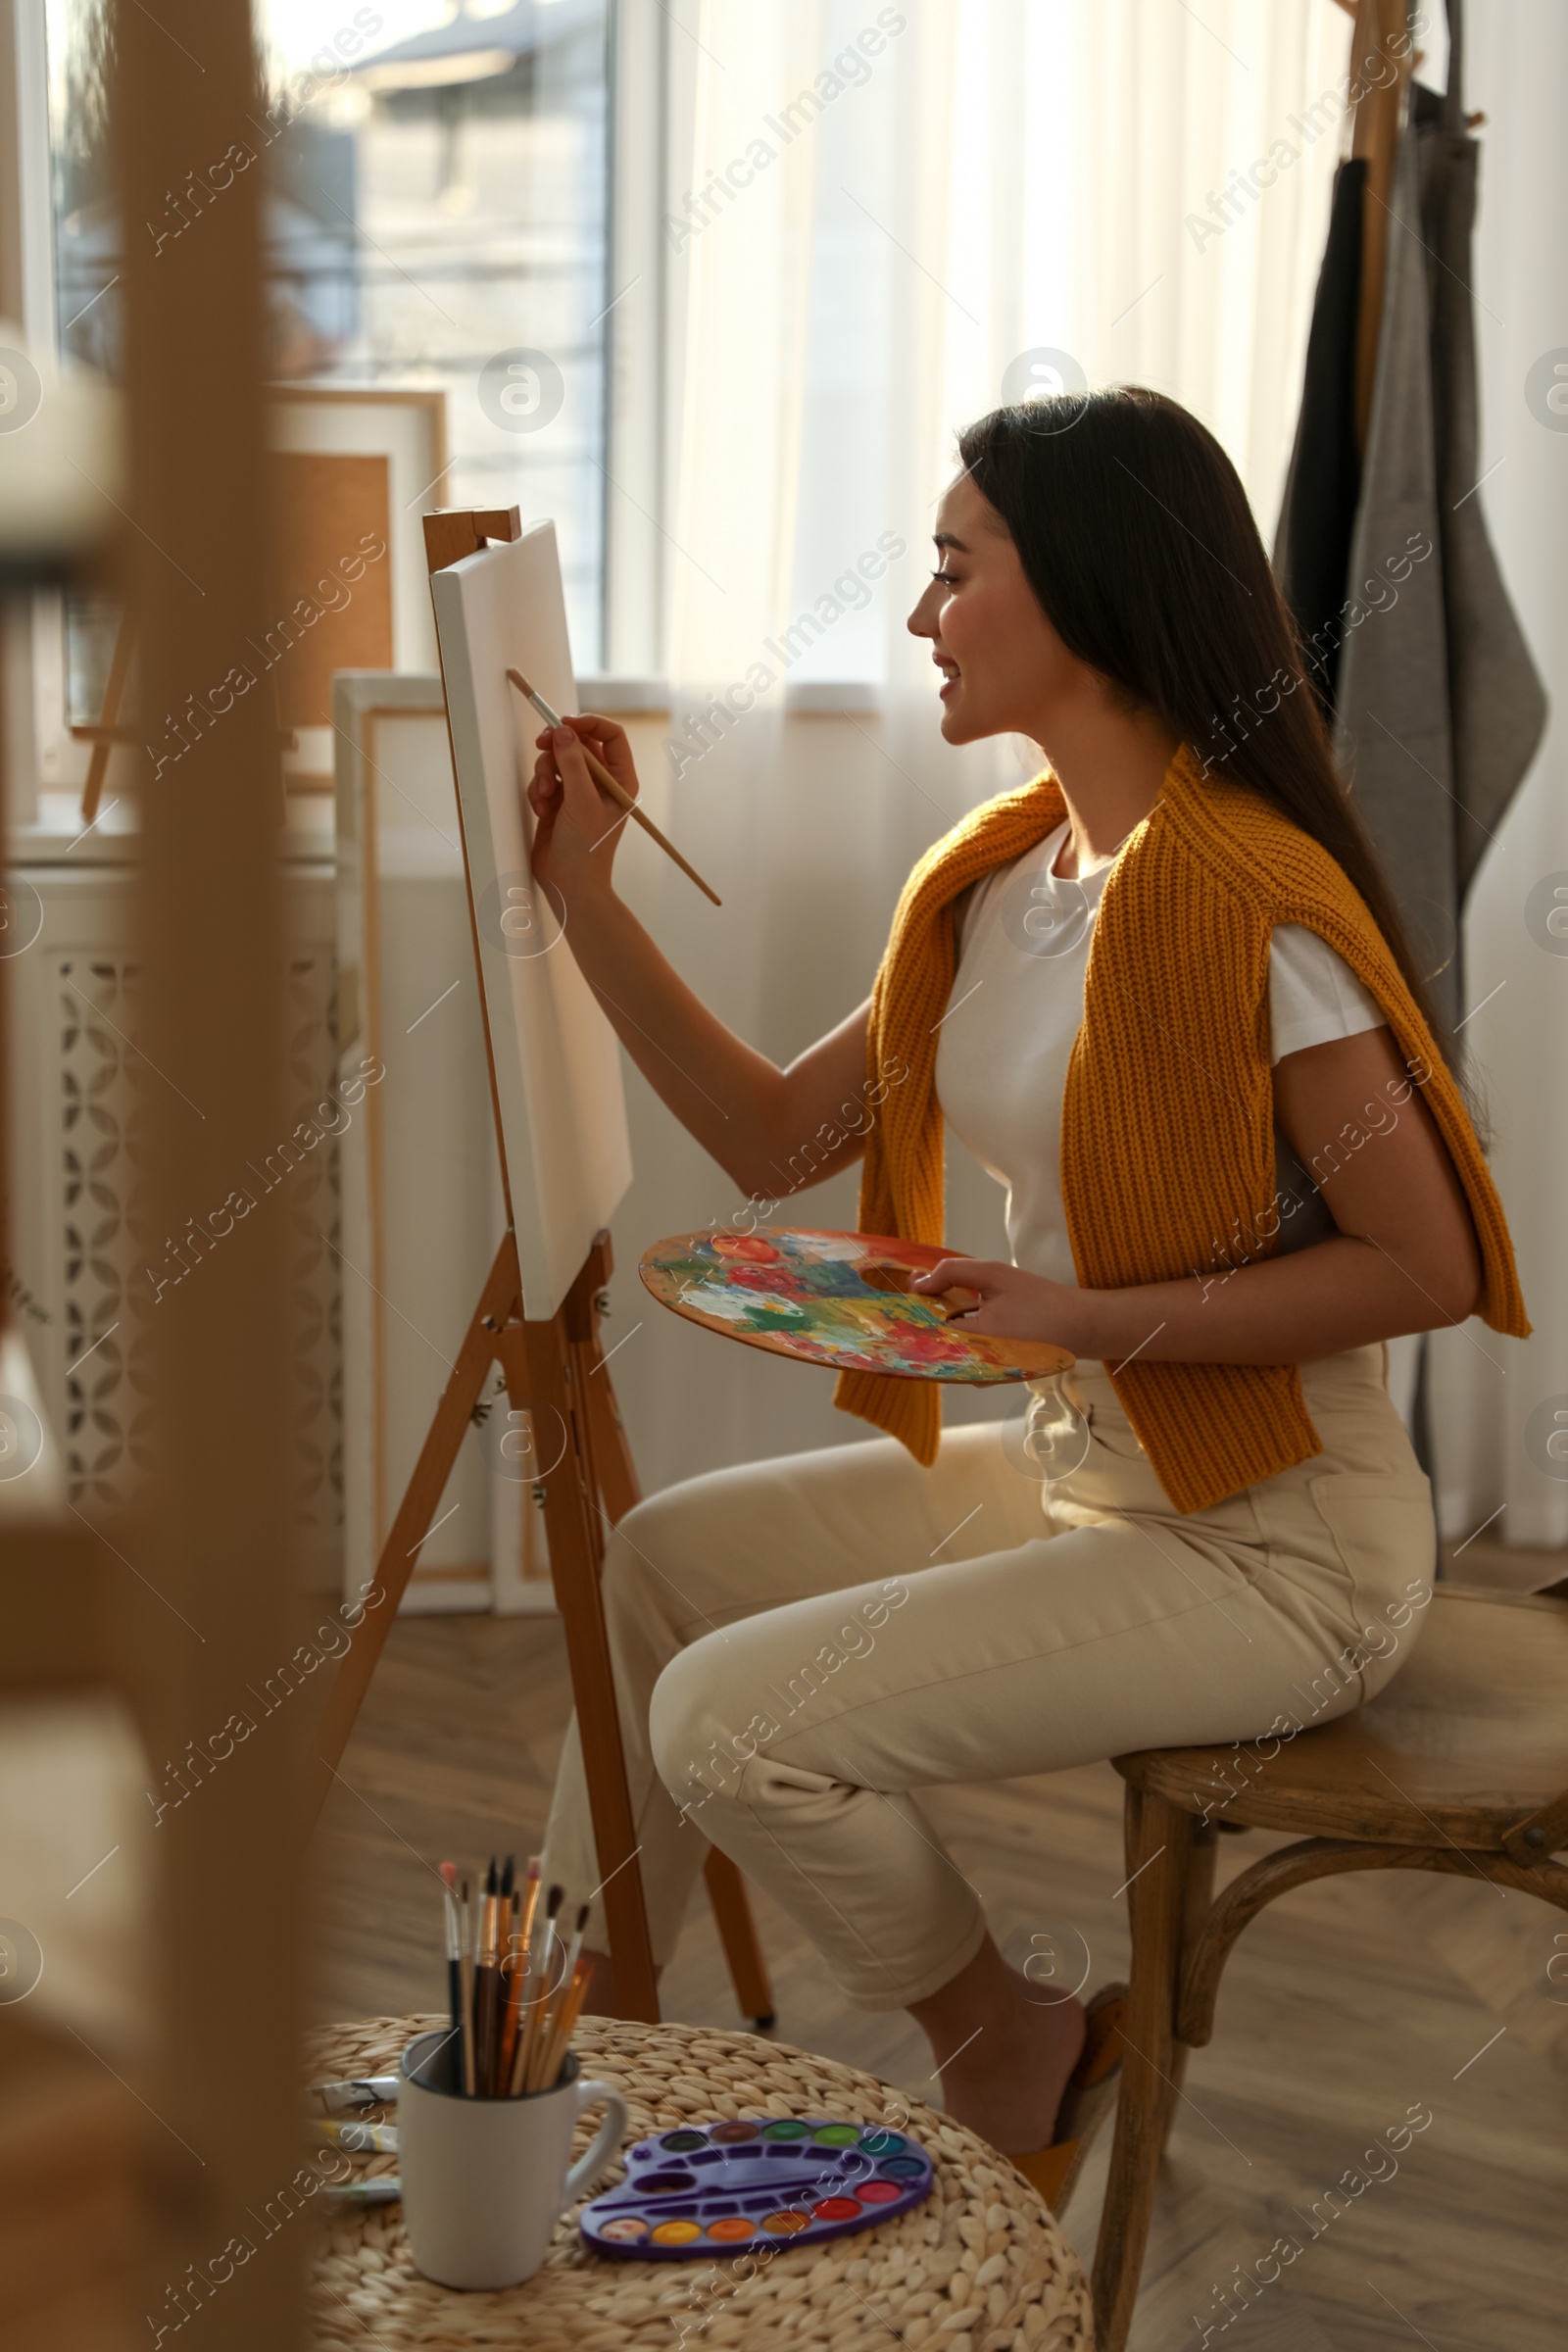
(1135, 534)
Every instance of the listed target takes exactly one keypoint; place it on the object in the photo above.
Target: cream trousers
(799, 1643)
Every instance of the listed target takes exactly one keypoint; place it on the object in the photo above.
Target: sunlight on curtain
(957, 191)
(1499, 1404)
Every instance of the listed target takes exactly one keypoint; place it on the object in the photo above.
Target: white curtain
(1501, 1406)
(1134, 188)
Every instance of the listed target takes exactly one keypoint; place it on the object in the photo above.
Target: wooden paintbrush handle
(625, 799)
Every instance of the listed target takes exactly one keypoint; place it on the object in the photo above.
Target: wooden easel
(108, 732)
(108, 729)
(548, 1367)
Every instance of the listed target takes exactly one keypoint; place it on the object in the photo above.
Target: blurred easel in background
(126, 2174)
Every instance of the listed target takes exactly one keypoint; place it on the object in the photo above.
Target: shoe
(1087, 2099)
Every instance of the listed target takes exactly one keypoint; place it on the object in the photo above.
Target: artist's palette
(713, 2189)
(834, 1298)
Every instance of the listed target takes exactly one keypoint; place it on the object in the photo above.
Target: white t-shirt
(1016, 1007)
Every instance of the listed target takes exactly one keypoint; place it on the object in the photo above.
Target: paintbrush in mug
(487, 1984)
(517, 1971)
(503, 1941)
(530, 1899)
(541, 2076)
(535, 2001)
(449, 1892)
(507, 2014)
(570, 2010)
(607, 783)
(573, 1955)
(540, 1989)
(531, 1981)
(555, 2044)
(466, 1978)
(545, 1991)
(506, 1919)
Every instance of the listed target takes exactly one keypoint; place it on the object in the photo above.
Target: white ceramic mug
(485, 2180)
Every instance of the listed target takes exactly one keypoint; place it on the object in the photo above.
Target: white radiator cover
(395, 1218)
(87, 1272)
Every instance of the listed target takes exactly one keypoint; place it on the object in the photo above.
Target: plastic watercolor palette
(836, 1298)
(766, 2180)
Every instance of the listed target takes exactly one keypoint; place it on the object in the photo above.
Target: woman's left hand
(1013, 1305)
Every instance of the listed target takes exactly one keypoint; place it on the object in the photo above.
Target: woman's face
(1005, 668)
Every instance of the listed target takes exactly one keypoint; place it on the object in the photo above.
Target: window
(437, 214)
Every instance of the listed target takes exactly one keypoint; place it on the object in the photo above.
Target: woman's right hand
(576, 827)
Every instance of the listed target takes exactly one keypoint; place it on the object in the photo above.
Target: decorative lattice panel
(107, 1238)
(115, 1260)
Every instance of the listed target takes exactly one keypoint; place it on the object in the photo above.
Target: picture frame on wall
(356, 465)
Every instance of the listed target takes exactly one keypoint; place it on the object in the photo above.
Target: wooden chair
(1459, 1765)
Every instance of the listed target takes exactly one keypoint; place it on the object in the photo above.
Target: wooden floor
(1345, 2007)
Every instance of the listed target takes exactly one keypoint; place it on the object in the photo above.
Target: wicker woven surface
(980, 2266)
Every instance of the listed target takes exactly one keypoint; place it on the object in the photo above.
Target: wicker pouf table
(980, 2266)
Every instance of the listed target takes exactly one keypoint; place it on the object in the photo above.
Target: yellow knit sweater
(1167, 1138)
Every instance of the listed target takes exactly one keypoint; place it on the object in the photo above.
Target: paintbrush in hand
(607, 783)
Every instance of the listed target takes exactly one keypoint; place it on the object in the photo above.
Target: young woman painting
(1162, 993)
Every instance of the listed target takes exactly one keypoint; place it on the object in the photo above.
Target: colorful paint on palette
(755, 2182)
(835, 1299)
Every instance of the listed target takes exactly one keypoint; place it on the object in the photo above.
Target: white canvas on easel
(421, 1201)
(561, 1118)
(556, 1060)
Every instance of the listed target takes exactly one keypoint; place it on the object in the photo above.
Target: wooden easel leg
(109, 717)
(501, 1294)
(617, 1481)
(538, 1361)
(606, 1436)
(551, 1365)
